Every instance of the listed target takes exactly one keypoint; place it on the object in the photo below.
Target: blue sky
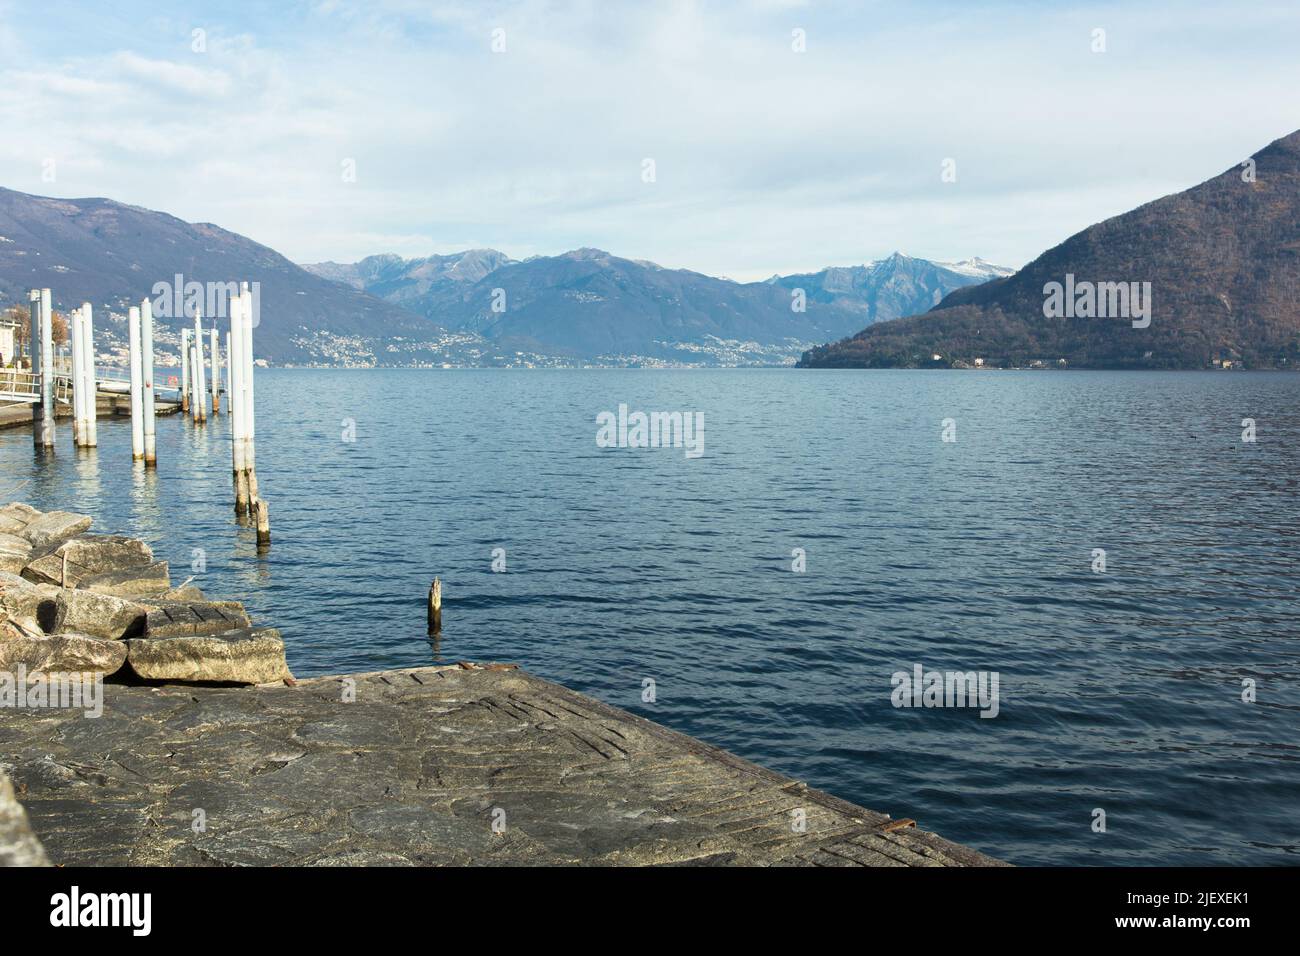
(765, 159)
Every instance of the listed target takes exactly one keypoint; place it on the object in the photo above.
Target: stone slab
(428, 766)
(250, 655)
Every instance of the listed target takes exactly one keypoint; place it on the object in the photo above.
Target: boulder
(250, 655)
(183, 592)
(62, 654)
(18, 511)
(14, 549)
(85, 556)
(141, 581)
(18, 844)
(193, 618)
(10, 525)
(34, 607)
(97, 615)
(53, 528)
(14, 543)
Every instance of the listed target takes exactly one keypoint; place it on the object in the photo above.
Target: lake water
(1120, 691)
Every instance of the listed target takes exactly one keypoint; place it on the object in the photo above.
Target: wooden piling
(435, 606)
(150, 412)
(137, 385)
(262, 512)
(90, 428)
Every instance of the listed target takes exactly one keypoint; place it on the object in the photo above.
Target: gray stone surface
(13, 547)
(34, 608)
(18, 845)
(54, 527)
(194, 618)
(99, 615)
(415, 771)
(73, 561)
(61, 654)
(141, 581)
(250, 655)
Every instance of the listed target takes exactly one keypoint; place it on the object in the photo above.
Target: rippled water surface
(1120, 691)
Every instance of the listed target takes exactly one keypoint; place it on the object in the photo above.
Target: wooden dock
(433, 766)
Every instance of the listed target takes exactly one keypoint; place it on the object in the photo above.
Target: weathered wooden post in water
(90, 427)
(137, 385)
(216, 372)
(262, 513)
(199, 401)
(185, 371)
(146, 356)
(435, 606)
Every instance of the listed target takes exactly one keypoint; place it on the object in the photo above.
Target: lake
(630, 570)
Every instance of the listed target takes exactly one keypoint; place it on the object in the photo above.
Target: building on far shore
(9, 335)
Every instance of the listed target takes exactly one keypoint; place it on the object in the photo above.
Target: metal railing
(21, 385)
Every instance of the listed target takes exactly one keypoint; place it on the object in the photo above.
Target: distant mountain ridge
(111, 254)
(1222, 259)
(589, 304)
(476, 307)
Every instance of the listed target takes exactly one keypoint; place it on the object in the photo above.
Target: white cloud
(767, 160)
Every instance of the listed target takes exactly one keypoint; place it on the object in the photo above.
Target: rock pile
(74, 602)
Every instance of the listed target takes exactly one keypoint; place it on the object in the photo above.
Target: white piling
(34, 348)
(250, 418)
(215, 359)
(235, 361)
(185, 371)
(230, 375)
(78, 378)
(90, 428)
(199, 402)
(137, 386)
(46, 336)
(150, 399)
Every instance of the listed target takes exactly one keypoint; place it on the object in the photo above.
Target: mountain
(892, 287)
(406, 282)
(590, 305)
(111, 254)
(1222, 260)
